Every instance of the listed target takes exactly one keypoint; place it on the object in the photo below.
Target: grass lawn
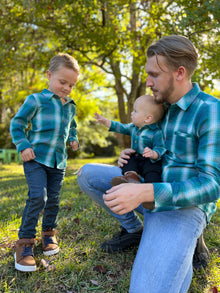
(80, 266)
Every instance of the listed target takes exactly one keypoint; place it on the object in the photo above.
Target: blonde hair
(66, 60)
(177, 50)
(152, 107)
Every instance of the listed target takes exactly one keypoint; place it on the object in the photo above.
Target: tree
(111, 35)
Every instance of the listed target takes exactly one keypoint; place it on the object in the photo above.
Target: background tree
(109, 38)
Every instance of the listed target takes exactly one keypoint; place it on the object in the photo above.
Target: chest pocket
(184, 147)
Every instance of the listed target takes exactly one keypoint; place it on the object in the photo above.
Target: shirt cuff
(163, 194)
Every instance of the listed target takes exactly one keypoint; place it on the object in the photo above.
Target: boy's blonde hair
(66, 60)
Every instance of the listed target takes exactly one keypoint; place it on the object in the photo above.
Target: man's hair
(65, 60)
(178, 51)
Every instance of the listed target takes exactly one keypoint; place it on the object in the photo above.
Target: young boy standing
(51, 115)
(146, 141)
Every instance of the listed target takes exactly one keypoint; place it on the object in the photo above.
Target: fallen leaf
(76, 220)
(100, 269)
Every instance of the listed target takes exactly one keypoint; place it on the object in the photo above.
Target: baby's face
(139, 113)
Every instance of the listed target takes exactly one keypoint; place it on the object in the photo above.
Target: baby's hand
(149, 153)
(102, 120)
(74, 145)
(27, 155)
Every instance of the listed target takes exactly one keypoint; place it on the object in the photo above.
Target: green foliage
(108, 38)
(80, 266)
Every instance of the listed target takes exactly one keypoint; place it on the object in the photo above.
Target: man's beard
(164, 96)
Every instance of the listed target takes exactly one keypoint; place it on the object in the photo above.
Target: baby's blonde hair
(151, 106)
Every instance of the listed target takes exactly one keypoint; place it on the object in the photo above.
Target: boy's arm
(73, 139)
(20, 122)
(102, 120)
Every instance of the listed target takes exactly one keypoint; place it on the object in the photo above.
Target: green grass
(80, 265)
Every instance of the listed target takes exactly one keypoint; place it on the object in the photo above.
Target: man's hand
(124, 157)
(74, 145)
(27, 155)
(124, 198)
(102, 120)
(149, 153)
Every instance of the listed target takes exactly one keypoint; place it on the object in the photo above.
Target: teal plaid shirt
(52, 124)
(148, 136)
(191, 166)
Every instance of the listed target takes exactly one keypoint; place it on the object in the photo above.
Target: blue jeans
(44, 185)
(164, 259)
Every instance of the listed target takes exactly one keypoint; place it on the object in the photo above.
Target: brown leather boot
(129, 177)
(24, 256)
(49, 242)
(149, 205)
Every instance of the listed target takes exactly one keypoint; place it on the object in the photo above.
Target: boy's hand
(27, 155)
(149, 153)
(102, 120)
(74, 145)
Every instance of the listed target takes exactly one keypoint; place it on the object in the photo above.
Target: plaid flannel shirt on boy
(52, 124)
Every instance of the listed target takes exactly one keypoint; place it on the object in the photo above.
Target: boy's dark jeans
(44, 186)
(151, 172)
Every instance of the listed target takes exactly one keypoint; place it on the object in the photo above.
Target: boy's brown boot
(49, 242)
(129, 177)
(24, 256)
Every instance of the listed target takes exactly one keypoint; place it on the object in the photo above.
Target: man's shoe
(49, 242)
(122, 241)
(129, 177)
(24, 256)
(201, 255)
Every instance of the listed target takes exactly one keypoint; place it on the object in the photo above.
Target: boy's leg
(37, 183)
(164, 258)
(54, 183)
(37, 195)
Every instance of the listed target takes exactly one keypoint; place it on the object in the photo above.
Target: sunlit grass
(83, 225)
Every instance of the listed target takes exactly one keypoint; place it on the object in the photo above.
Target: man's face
(160, 79)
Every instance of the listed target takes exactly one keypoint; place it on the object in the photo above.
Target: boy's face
(62, 81)
(139, 115)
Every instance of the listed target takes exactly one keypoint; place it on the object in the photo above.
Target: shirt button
(135, 141)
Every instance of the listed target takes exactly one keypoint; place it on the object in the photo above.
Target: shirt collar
(153, 126)
(49, 95)
(188, 98)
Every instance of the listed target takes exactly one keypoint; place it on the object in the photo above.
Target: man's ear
(148, 119)
(180, 73)
(48, 74)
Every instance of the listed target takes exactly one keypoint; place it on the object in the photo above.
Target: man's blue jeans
(44, 185)
(164, 259)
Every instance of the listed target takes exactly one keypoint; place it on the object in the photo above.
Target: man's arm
(124, 198)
